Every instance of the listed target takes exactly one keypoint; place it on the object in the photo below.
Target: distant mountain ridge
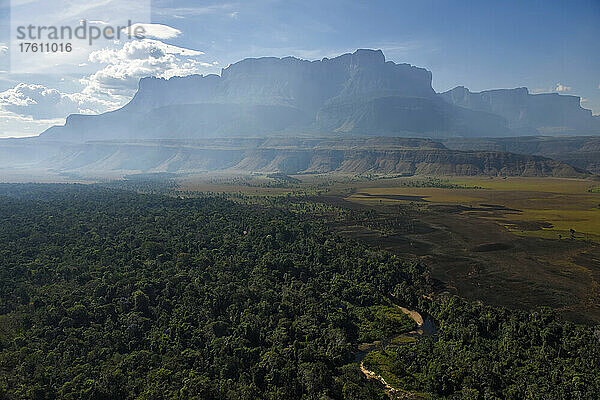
(578, 151)
(297, 116)
(359, 93)
(529, 114)
(379, 155)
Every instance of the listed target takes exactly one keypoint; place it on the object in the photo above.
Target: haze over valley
(172, 125)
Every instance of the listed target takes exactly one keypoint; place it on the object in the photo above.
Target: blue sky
(544, 45)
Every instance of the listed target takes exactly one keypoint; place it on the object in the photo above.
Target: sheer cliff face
(359, 93)
(578, 151)
(529, 113)
(289, 81)
(267, 95)
(348, 156)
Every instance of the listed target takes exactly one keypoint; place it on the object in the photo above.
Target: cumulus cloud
(13, 125)
(126, 65)
(29, 108)
(561, 88)
(40, 102)
(156, 31)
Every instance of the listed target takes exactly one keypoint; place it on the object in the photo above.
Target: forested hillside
(109, 294)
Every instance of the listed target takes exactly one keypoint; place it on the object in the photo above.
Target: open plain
(516, 242)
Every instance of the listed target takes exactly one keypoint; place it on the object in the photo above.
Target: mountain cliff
(251, 116)
(529, 114)
(296, 156)
(579, 151)
(359, 93)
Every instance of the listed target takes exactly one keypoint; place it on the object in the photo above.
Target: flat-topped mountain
(359, 93)
(529, 114)
(353, 113)
(301, 84)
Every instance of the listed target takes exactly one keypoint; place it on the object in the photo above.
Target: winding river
(425, 327)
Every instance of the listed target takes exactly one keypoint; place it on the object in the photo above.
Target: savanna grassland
(519, 242)
(541, 207)
(514, 241)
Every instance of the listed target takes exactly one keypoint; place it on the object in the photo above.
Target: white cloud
(13, 125)
(561, 88)
(157, 31)
(134, 60)
(112, 78)
(28, 109)
(40, 102)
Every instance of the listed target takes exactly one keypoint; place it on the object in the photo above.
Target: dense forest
(111, 294)
(482, 352)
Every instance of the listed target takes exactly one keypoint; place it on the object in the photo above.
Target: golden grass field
(564, 203)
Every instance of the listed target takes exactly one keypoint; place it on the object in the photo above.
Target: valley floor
(230, 287)
(516, 242)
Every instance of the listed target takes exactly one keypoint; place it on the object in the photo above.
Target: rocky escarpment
(255, 96)
(530, 114)
(289, 81)
(90, 158)
(358, 93)
(579, 151)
